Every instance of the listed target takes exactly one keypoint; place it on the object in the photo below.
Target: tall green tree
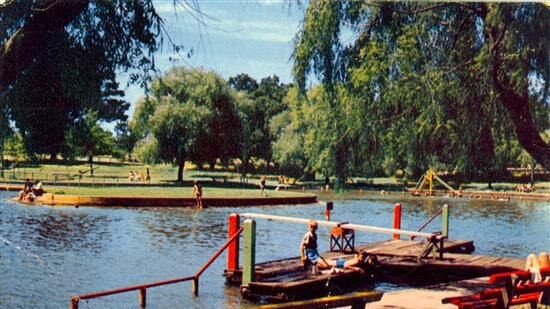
(86, 138)
(5, 132)
(126, 33)
(44, 111)
(125, 140)
(431, 81)
(190, 116)
(267, 97)
(243, 82)
(62, 56)
(289, 129)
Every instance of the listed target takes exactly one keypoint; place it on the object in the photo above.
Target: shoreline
(315, 197)
(127, 201)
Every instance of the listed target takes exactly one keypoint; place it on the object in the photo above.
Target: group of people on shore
(525, 188)
(31, 190)
(138, 176)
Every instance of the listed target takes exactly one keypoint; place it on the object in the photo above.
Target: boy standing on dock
(308, 247)
(197, 192)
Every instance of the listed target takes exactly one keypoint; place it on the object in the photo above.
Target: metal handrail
(428, 221)
(143, 287)
(215, 256)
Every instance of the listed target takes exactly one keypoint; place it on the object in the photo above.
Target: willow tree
(434, 83)
(191, 116)
(63, 56)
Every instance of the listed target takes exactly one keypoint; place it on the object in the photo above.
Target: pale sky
(253, 37)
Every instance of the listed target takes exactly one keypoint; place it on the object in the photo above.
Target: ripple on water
(55, 252)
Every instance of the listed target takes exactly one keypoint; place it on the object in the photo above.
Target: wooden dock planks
(398, 257)
(286, 279)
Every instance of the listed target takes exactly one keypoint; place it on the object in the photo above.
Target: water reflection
(179, 226)
(67, 231)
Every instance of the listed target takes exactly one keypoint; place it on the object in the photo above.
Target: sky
(239, 36)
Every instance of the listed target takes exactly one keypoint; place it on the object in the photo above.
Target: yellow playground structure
(428, 179)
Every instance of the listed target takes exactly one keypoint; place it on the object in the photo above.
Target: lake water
(48, 254)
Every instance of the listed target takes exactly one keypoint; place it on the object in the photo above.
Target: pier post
(249, 251)
(142, 297)
(445, 221)
(233, 249)
(195, 286)
(329, 207)
(396, 219)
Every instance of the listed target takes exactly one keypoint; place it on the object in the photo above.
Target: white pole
(357, 227)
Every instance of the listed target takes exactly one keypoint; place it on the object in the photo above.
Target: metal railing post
(195, 286)
(143, 297)
(74, 303)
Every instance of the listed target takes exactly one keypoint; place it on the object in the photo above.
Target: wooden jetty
(398, 262)
(420, 259)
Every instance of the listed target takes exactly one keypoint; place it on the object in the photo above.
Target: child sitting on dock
(308, 248)
(359, 261)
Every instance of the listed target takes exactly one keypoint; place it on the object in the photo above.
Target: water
(48, 254)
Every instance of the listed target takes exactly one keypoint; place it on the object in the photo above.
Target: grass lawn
(169, 192)
(166, 174)
(110, 172)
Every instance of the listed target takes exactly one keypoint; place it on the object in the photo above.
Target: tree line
(402, 86)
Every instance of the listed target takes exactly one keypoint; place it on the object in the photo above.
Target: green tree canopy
(63, 56)
(190, 116)
(87, 138)
(267, 98)
(430, 84)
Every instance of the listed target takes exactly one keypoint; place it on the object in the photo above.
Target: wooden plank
(486, 261)
(330, 301)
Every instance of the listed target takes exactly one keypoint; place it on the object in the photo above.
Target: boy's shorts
(312, 255)
(340, 263)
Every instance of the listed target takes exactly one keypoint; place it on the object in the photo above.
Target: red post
(233, 249)
(396, 219)
(328, 209)
(142, 297)
(74, 303)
